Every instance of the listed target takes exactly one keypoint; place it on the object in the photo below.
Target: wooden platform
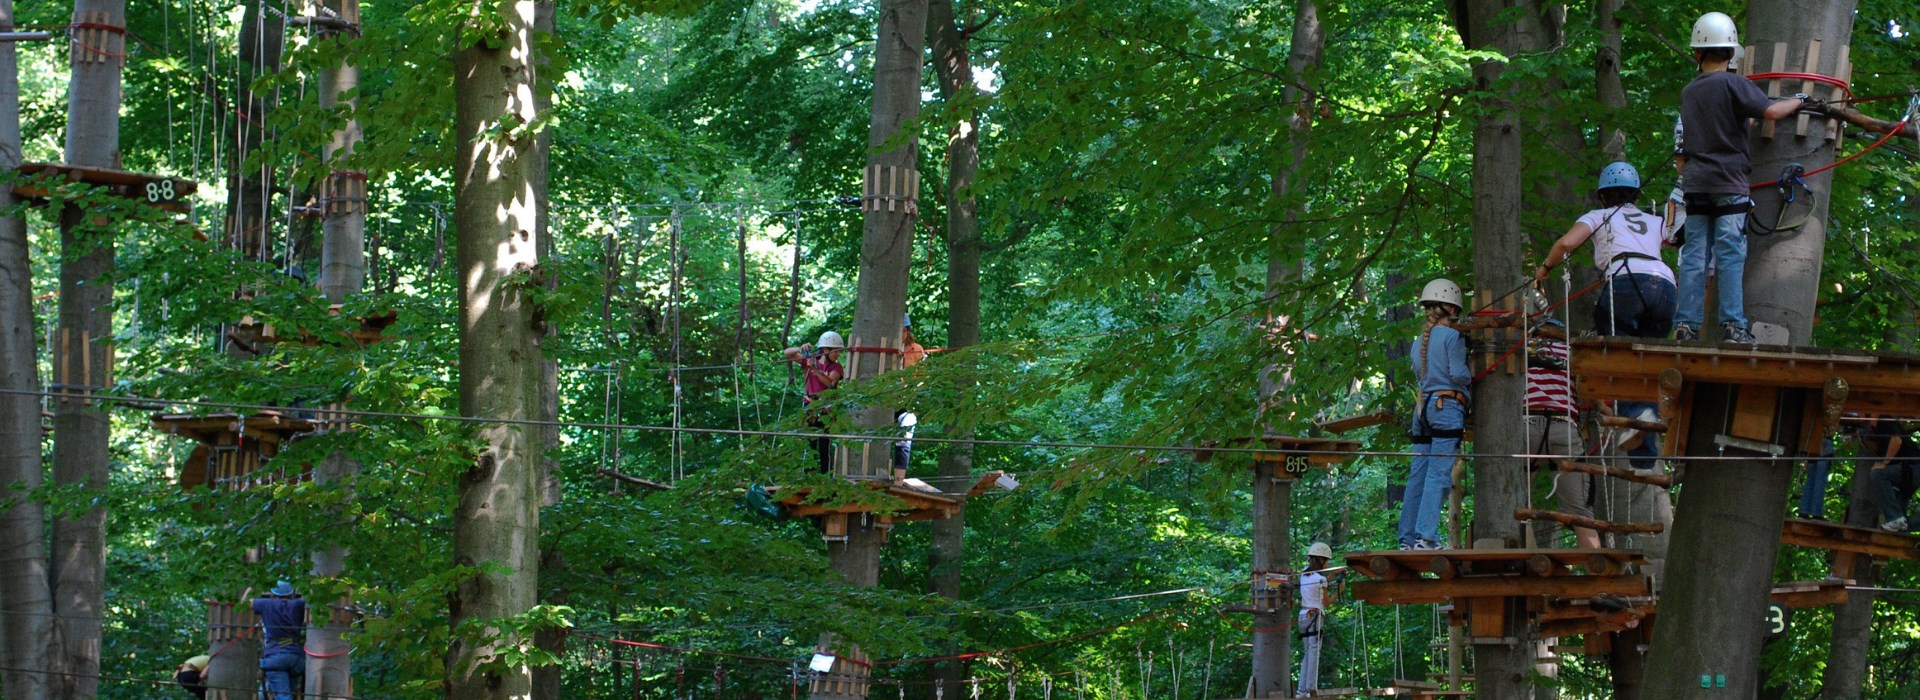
(1491, 588)
(167, 193)
(1756, 383)
(1873, 542)
(233, 448)
(907, 503)
(372, 330)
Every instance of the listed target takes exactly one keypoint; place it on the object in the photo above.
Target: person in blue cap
(283, 626)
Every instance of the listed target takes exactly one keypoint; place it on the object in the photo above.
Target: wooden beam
(1349, 423)
(1421, 590)
(1621, 473)
(1819, 534)
(1589, 523)
(636, 481)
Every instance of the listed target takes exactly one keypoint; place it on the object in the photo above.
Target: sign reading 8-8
(161, 191)
(1296, 464)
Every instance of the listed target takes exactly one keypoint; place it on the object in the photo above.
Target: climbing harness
(1791, 182)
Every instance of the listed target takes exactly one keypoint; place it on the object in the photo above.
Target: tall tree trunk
(886, 250)
(1500, 481)
(343, 274)
(80, 455)
(26, 606)
(953, 69)
(1712, 610)
(497, 521)
(1273, 491)
(546, 678)
(1607, 84)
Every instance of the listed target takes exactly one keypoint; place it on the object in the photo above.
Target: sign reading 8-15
(1295, 465)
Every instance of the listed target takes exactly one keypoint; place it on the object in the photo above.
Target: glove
(1811, 104)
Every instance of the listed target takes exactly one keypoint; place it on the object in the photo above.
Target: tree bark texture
(1783, 270)
(1846, 672)
(1500, 481)
(546, 678)
(343, 274)
(85, 327)
(497, 520)
(25, 602)
(1606, 77)
(343, 250)
(1272, 498)
(953, 69)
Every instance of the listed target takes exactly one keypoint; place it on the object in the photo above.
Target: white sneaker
(1895, 525)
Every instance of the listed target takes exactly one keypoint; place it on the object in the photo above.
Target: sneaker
(1737, 334)
(1683, 331)
(1425, 545)
(1405, 547)
(1894, 525)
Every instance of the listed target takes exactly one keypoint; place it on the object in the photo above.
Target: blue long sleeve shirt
(1444, 366)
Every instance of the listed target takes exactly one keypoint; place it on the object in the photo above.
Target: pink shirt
(820, 371)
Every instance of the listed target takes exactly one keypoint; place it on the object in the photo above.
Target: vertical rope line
(673, 310)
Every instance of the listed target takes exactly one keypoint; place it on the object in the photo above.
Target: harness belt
(1703, 205)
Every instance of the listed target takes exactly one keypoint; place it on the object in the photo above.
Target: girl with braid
(1440, 363)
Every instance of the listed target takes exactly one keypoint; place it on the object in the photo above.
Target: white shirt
(1313, 591)
(1626, 229)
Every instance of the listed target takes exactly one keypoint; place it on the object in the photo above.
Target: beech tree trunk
(1502, 665)
(25, 603)
(886, 250)
(497, 521)
(80, 455)
(1273, 496)
(343, 274)
(953, 69)
(546, 678)
(1712, 610)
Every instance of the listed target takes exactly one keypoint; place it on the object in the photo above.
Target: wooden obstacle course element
(1465, 574)
(851, 677)
(1294, 455)
(1639, 369)
(1621, 473)
(1572, 520)
(1351, 423)
(900, 503)
(1645, 426)
(165, 193)
(233, 448)
(1811, 594)
(372, 330)
(1836, 537)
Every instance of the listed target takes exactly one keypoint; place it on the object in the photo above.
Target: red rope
(342, 652)
(1846, 90)
(1846, 160)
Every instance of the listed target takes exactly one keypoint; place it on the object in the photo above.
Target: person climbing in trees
(823, 372)
(911, 351)
(1440, 364)
(1637, 299)
(192, 675)
(1313, 615)
(1714, 168)
(283, 625)
(1551, 426)
(1895, 461)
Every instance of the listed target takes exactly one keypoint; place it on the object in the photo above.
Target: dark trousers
(822, 446)
(1640, 306)
(1893, 487)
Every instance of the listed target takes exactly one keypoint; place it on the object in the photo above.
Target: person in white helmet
(1313, 614)
(823, 371)
(1439, 421)
(1714, 169)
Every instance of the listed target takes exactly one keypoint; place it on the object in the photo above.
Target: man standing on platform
(1313, 614)
(283, 625)
(1896, 470)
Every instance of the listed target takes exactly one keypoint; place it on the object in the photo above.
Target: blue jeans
(1641, 306)
(278, 664)
(1729, 241)
(1813, 497)
(1436, 440)
(1642, 456)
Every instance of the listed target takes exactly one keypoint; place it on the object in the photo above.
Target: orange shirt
(912, 354)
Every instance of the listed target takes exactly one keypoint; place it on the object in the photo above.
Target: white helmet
(830, 339)
(1320, 549)
(1442, 290)
(1715, 30)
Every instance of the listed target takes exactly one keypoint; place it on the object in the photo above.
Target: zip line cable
(57, 393)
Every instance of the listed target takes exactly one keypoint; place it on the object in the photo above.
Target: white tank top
(1626, 229)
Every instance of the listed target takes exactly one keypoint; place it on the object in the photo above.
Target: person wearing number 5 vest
(1638, 297)
(1439, 419)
